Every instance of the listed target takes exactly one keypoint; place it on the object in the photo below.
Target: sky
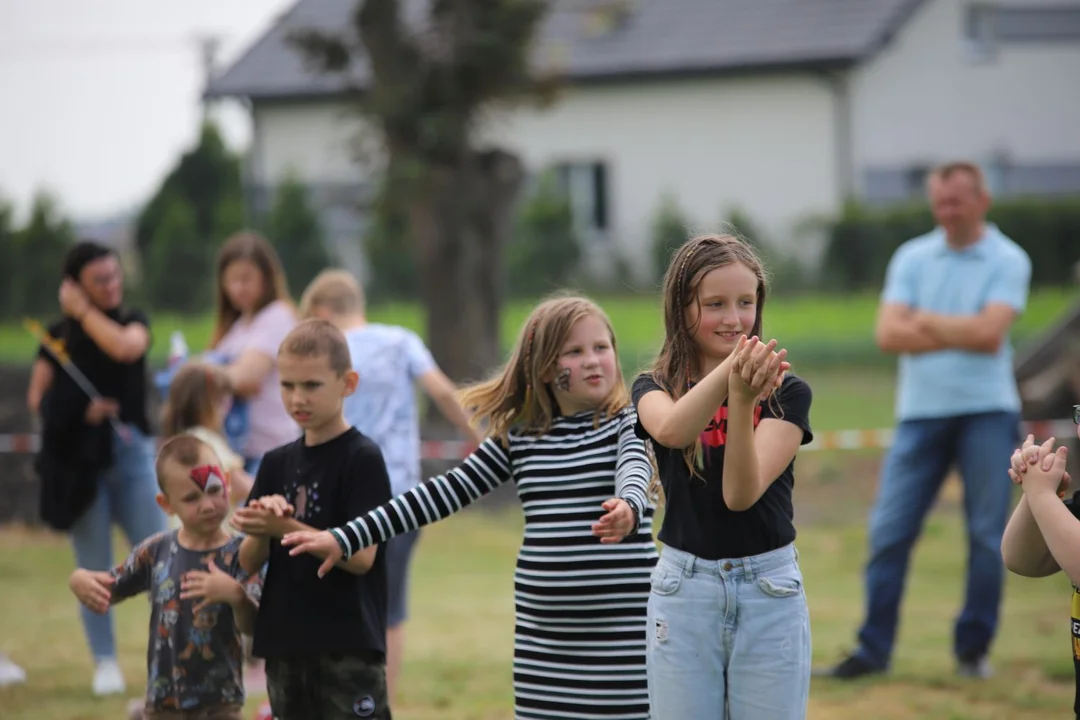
(99, 97)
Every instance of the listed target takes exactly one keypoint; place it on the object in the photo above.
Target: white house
(781, 107)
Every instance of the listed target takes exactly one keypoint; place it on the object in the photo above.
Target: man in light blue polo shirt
(950, 298)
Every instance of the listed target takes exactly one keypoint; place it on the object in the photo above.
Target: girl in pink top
(254, 314)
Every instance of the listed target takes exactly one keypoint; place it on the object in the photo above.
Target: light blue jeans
(728, 639)
(125, 495)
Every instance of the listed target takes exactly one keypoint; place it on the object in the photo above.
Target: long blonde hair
(250, 246)
(679, 360)
(517, 397)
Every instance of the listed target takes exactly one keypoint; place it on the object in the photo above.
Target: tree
(179, 268)
(425, 94)
(545, 251)
(39, 250)
(297, 235)
(207, 178)
(197, 206)
(9, 272)
(392, 274)
(670, 230)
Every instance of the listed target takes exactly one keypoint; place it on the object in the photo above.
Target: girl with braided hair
(560, 427)
(728, 625)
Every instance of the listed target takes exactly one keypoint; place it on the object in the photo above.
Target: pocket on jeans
(665, 582)
(785, 582)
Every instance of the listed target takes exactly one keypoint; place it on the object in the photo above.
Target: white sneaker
(10, 673)
(108, 680)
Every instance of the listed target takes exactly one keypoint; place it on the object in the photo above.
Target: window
(1048, 24)
(980, 34)
(586, 187)
(988, 26)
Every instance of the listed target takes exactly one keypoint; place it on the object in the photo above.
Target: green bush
(862, 240)
(297, 235)
(785, 273)
(670, 229)
(392, 273)
(544, 252)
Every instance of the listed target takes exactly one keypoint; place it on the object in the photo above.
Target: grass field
(459, 661)
(826, 329)
(460, 638)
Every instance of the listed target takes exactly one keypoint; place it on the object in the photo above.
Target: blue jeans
(125, 495)
(399, 553)
(728, 638)
(915, 467)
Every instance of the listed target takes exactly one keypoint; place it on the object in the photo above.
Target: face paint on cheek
(562, 379)
(207, 477)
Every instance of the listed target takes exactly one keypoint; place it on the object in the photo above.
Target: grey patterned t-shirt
(192, 660)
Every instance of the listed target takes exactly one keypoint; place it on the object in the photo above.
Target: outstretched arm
(440, 497)
(485, 469)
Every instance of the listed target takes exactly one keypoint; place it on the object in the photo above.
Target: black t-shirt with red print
(696, 518)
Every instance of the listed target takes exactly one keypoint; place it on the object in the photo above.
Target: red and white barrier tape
(823, 440)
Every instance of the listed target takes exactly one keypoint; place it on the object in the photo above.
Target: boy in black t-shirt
(1043, 534)
(324, 639)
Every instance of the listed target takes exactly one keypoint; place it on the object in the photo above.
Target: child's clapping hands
(263, 516)
(757, 368)
(1038, 468)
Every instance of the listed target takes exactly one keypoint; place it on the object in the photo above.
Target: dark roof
(654, 37)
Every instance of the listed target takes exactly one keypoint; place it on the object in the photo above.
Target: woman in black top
(96, 462)
(729, 629)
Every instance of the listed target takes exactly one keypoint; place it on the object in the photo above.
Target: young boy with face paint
(200, 598)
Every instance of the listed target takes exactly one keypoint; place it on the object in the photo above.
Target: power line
(59, 48)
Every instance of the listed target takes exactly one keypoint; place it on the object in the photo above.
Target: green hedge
(861, 240)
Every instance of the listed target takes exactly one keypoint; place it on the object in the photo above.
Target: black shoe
(852, 667)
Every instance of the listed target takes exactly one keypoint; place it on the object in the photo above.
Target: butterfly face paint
(562, 380)
(208, 477)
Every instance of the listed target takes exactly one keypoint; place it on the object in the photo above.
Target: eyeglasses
(1076, 414)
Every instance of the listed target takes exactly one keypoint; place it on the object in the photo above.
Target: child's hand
(257, 521)
(215, 586)
(276, 504)
(1030, 454)
(756, 370)
(93, 589)
(617, 523)
(1049, 476)
(320, 543)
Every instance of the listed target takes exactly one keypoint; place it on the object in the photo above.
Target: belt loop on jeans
(749, 567)
(688, 564)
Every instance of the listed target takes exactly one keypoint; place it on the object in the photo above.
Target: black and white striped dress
(579, 637)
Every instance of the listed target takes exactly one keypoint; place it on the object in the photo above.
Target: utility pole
(209, 46)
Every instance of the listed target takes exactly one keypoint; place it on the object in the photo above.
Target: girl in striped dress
(561, 428)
